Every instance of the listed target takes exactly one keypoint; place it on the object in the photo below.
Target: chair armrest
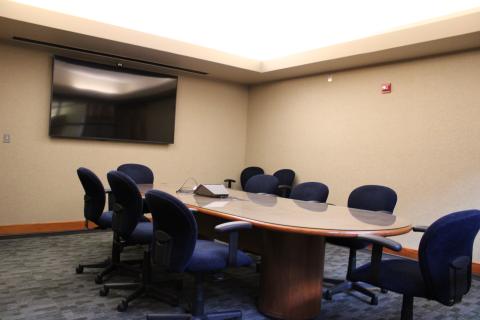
(420, 228)
(229, 182)
(381, 241)
(233, 228)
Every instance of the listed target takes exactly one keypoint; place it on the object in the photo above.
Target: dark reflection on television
(91, 102)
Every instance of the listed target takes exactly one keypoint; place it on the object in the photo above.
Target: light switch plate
(6, 138)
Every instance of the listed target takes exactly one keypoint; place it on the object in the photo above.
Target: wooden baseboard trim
(413, 254)
(35, 228)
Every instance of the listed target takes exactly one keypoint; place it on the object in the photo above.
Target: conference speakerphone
(211, 190)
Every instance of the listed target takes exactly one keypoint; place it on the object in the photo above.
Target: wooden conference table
(291, 239)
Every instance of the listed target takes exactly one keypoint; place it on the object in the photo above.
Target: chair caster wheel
(327, 295)
(98, 280)
(374, 301)
(104, 291)
(122, 306)
(79, 269)
(383, 290)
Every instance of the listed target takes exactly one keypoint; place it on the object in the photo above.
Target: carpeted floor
(38, 281)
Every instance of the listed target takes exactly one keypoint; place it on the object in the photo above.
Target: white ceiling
(260, 29)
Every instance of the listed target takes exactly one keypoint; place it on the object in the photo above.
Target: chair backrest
(262, 183)
(128, 207)
(447, 239)
(285, 176)
(138, 172)
(94, 199)
(249, 172)
(310, 191)
(373, 198)
(171, 216)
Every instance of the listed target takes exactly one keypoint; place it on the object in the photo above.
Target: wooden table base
(291, 275)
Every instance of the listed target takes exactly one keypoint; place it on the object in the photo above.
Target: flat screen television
(93, 101)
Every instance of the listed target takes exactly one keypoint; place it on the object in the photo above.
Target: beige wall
(423, 139)
(38, 179)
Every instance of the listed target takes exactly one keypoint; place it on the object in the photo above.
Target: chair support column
(198, 299)
(407, 308)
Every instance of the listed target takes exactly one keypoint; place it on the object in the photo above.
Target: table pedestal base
(291, 275)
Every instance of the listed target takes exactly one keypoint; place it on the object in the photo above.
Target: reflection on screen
(92, 102)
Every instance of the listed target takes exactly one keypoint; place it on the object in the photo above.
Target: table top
(287, 215)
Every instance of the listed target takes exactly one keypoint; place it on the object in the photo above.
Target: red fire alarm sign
(386, 87)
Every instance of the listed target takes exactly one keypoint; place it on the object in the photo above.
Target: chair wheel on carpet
(374, 301)
(104, 291)
(98, 279)
(79, 269)
(122, 306)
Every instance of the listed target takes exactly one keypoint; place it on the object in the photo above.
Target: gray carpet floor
(38, 281)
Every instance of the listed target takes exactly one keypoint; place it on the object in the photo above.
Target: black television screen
(91, 101)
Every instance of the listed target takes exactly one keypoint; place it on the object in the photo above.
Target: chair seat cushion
(105, 220)
(397, 275)
(142, 234)
(213, 256)
(348, 242)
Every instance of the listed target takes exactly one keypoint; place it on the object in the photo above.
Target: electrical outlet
(6, 138)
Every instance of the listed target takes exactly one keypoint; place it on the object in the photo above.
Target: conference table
(292, 240)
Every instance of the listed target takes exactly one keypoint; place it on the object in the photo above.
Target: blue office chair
(310, 191)
(368, 197)
(443, 271)
(128, 229)
(262, 183)
(140, 173)
(285, 181)
(94, 204)
(176, 249)
(246, 174)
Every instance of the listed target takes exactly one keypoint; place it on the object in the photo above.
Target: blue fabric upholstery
(449, 237)
(171, 216)
(210, 256)
(105, 220)
(368, 197)
(262, 183)
(138, 172)
(373, 198)
(397, 275)
(129, 198)
(310, 191)
(94, 197)
(247, 173)
(176, 249)
(142, 234)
